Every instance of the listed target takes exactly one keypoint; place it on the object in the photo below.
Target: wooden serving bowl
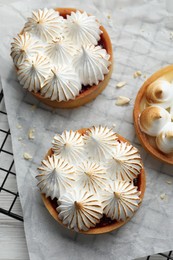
(106, 225)
(147, 141)
(89, 92)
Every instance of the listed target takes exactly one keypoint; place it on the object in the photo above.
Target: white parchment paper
(141, 36)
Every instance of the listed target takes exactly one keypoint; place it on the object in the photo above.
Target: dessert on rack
(153, 114)
(63, 57)
(92, 180)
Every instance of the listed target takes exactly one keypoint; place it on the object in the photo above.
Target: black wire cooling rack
(7, 171)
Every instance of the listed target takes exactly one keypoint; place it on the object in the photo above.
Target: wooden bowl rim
(109, 227)
(143, 138)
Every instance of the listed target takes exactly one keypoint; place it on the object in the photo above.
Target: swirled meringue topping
(91, 63)
(92, 177)
(121, 200)
(82, 28)
(99, 142)
(125, 163)
(153, 119)
(62, 84)
(24, 45)
(79, 210)
(56, 176)
(60, 51)
(160, 93)
(45, 24)
(69, 146)
(164, 140)
(32, 72)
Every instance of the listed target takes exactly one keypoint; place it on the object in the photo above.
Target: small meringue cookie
(60, 51)
(160, 92)
(125, 163)
(33, 71)
(45, 24)
(121, 200)
(91, 63)
(82, 28)
(92, 177)
(62, 84)
(56, 177)
(79, 210)
(69, 146)
(24, 46)
(153, 119)
(99, 142)
(164, 140)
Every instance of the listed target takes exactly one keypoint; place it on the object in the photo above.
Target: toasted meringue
(82, 28)
(164, 140)
(121, 200)
(56, 177)
(160, 92)
(99, 142)
(69, 146)
(23, 47)
(153, 119)
(79, 210)
(92, 177)
(62, 84)
(91, 63)
(45, 24)
(60, 51)
(125, 163)
(32, 72)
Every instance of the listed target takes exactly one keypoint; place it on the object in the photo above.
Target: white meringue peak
(91, 63)
(82, 28)
(99, 142)
(62, 84)
(164, 140)
(125, 163)
(79, 210)
(153, 119)
(56, 177)
(23, 47)
(92, 177)
(45, 24)
(33, 71)
(69, 146)
(60, 51)
(160, 92)
(121, 200)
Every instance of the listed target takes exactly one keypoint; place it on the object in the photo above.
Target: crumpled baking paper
(141, 34)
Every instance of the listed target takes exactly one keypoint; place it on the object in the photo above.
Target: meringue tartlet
(153, 114)
(64, 57)
(92, 180)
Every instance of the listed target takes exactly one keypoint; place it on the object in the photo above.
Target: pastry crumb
(31, 135)
(144, 76)
(121, 84)
(108, 16)
(137, 74)
(169, 182)
(19, 138)
(163, 196)
(113, 125)
(121, 100)
(33, 107)
(27, 156)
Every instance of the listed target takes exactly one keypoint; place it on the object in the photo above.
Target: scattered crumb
(163, 196)
(113, 125)
(19, 126)
(169, 182)
(121, 84)
(108, 16)
(33, 107)
(121, 100)
(142, 30)
(137, 74)
(171, 35)
(31, 135)
(144, 76)
(19, 138)
(27, 156)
